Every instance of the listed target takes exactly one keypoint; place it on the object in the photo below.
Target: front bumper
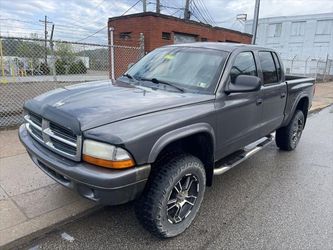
(106, 186)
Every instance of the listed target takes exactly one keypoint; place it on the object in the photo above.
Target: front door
(238, 114)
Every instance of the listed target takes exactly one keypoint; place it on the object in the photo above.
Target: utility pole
(53, 59)
(158, 6)
(255, 21)
(144, 5)
(45, 32)
(187, 10)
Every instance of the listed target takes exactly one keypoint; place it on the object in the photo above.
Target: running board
(241, 155)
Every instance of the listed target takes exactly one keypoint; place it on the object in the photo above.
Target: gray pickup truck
(160, 132)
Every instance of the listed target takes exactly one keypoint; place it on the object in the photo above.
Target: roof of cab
(229, 47)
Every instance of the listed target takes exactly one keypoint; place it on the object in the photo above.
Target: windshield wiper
(129, 76)
(156, 81)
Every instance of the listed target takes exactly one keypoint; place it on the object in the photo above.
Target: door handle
(283, 95)
(259, 101)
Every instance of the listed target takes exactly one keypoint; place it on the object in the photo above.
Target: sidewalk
(31, 203)
(323, 96)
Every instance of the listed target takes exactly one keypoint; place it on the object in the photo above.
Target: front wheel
(173, 196)
(288, 137)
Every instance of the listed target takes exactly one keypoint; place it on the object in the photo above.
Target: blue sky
(77, 20)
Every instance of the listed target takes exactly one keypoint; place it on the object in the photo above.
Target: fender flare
(177, 134)
(293, 109)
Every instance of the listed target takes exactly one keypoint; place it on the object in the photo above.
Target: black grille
(62, 132)
(57, 138)
(36, 119)
(37, 132)
(63, 146)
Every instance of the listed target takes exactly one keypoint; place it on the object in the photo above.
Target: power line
(21, 21)
(131, 7)
(68, 26)
(92, 34)
(106, 25)
(99, 4)
(17, 27)
(206, 11)
(195, 7)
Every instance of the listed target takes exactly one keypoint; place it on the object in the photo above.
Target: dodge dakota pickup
(160, 132)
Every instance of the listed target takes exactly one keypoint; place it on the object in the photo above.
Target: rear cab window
(278, 66)
(269, 68)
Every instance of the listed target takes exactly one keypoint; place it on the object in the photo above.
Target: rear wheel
(288, 137)
(173, 196)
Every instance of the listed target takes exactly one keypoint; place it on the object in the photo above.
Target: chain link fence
(321, 70)
(30, 67)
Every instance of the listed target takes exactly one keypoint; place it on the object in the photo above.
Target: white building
(304, 37)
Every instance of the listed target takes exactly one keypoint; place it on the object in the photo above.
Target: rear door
(273, 92)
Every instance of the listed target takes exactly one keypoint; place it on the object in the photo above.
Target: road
(274, 200)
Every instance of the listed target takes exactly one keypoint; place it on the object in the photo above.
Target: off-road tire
(285, 137)
(152, 208)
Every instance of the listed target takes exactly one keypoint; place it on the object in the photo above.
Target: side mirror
(244, 83)
(130, 66)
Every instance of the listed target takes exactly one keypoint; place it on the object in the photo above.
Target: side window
(278, 66)
(244, 65)
(268, 67)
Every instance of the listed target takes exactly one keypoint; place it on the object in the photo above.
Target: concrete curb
(34, 229)
(319, 108)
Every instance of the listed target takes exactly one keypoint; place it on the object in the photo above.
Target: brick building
(159, 30)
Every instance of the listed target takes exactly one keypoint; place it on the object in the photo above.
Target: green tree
(65, 53)
(77, 68)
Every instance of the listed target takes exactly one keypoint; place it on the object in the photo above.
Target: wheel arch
(197, 139)
(301, 103)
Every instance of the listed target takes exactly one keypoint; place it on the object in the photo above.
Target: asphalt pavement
(274, 200)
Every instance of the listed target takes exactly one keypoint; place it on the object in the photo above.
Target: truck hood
(99, 103)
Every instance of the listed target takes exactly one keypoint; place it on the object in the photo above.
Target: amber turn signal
(108, 163)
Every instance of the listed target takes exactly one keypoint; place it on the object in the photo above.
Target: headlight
(106, 155)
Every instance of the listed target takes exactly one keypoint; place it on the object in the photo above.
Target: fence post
(142, 45)
(2, 64)
(306, 65)
(292, 64)
(325, 69)
(317, 69)
(53, 61)
(111, 29)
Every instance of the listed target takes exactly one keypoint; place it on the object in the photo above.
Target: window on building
(268, 67)
(184, 38)
(166, 36)
(274, 30)
(295, 49)
(125, 35)
(244, 65)
(324, 27)
(231, 41)
(204, 39)
(297, 28)
(320, 49)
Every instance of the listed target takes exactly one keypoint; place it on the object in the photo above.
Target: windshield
(191, 69)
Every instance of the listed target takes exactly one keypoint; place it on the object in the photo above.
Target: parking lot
(274, 200)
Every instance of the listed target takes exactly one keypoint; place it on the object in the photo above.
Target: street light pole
(144, 5)
(255, 21)
(187, 10)
(158, 6)
(45, 37)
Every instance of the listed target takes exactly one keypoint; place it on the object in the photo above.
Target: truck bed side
(300, 89)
